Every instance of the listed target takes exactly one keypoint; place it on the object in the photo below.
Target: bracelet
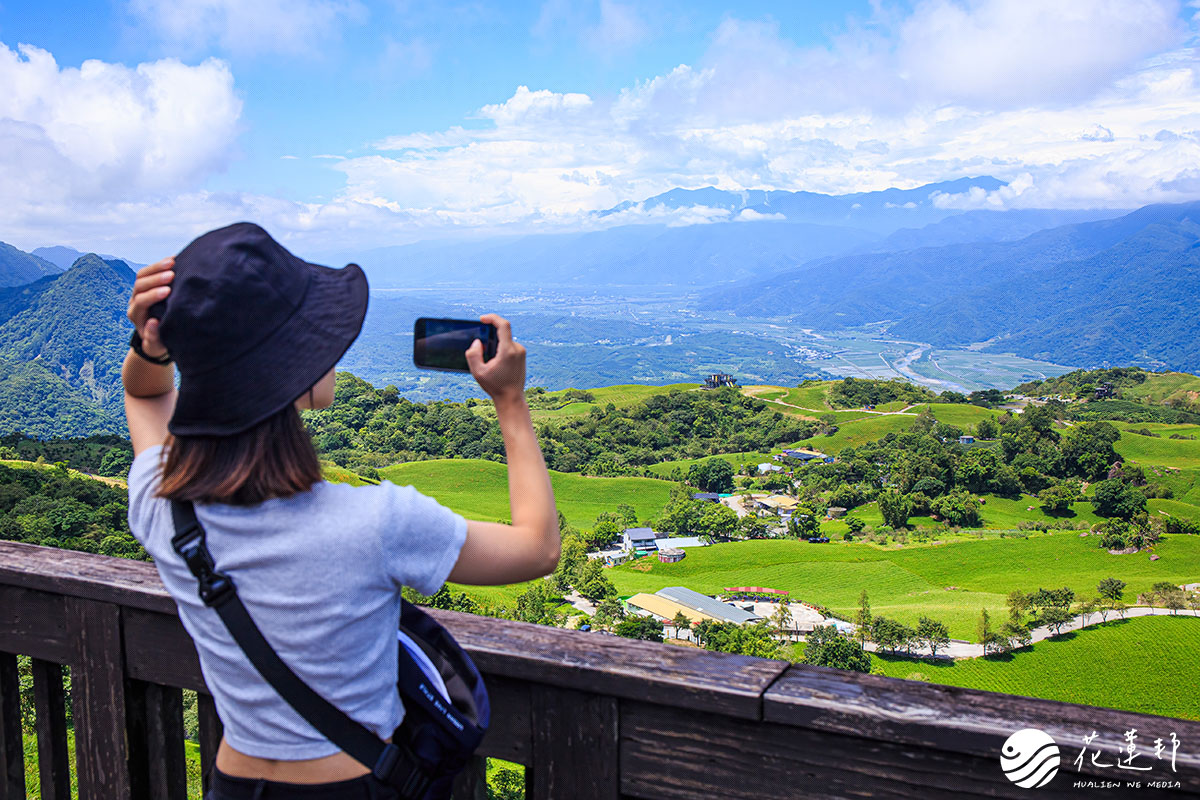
(135, 343)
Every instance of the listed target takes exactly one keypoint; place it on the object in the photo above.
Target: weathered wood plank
(928, 715)
(32, 624)
(471, 783)
(159, 650)
(50, 713)
(12, 752)
(210, 735)
(98, 699)
(689, 755)
(86, 575)
(612, 665)
(510, 734)
(577, 729)
(164, 743)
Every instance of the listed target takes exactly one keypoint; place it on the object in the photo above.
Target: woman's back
(320, 572)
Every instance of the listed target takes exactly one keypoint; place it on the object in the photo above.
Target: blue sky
(135, 124)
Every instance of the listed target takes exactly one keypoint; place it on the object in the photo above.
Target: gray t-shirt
(320, 572)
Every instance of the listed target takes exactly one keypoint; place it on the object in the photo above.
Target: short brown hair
(275, 458)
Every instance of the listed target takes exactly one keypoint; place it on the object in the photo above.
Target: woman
(256, 333)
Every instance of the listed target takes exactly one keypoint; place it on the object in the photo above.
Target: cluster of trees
(856, 392)
(926, 471)
(894, 635)
(1083, 382)
(369, 427)
(103, 454)
(51, 507)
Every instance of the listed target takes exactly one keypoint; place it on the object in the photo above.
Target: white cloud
(108, 131)
(246, 26)
(750, 215)
(607, 28)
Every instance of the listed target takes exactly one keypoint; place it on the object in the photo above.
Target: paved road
(957, 649)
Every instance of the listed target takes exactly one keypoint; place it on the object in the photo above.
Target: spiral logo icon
(1029, 758)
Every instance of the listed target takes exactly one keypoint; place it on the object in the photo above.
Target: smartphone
(442, 343)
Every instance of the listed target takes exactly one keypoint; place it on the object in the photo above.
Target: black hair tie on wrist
(135, 343)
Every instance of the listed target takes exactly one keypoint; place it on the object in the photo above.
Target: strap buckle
(390, 768)
(214, 586)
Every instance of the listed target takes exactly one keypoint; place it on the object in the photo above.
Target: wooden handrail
(589, 715)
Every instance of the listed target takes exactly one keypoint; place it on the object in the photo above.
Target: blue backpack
(446, 710)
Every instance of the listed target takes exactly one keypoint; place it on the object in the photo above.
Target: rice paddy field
(950, 581)
(1144, 664)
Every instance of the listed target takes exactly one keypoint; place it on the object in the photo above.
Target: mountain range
(1066, 286)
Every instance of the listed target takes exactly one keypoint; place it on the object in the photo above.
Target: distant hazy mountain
(987, 226)
(627, 256)
(1075, 294)
(1132, 303)
(18, 267)
(880, 212)
(73, 324)
(64, 256)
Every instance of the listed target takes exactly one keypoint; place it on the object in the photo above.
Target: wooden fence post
(50, 710)
(98, 699)
(12, 749)
(575, 747)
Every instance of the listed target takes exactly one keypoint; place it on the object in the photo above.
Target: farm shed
(707, 605)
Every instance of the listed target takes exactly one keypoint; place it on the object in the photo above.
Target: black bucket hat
(252, 327)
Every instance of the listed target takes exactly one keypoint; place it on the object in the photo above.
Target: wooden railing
(589, 715)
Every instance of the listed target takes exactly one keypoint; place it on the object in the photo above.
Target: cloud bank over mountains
(1073, 104)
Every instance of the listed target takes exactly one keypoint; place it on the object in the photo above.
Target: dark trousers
(228, 787)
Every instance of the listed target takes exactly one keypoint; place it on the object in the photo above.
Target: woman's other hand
(503, 376)
(151, 285)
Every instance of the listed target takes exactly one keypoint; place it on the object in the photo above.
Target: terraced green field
(914, 580)
(960, 414)
(1162, 451)
(858, 432)
(1159, 387)
(479, 490)
(735, 459)
(1145, 664)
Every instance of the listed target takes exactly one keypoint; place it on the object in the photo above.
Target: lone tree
(781, 619)
(1055, 617)
(1112, 590)
(894, 508)
(826, 647)
(983, 629)
(680, 622)
(932, 634)
(1018, 604)
(862, 620)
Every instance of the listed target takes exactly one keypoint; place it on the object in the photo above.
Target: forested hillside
(71, 327)
(18, 267)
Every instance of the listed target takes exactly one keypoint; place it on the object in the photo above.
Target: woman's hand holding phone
(503, 375)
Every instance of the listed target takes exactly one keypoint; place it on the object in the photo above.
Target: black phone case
(419, 327)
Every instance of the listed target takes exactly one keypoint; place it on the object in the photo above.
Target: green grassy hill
(1146, 664)
(1159, 387)
(479, 490)
(908, 582)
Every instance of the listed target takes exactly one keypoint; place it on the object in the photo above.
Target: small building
(1105, 390)
(680, 541)
(835, 512)
(719, 379)
(639, 540)
(778, 503)
(708, 497)
(706, 605)
(662, 608)
(964, 439)
(807, 456)
(669, 555)
(763, 469)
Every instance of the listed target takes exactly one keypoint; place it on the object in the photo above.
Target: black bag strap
(390, 762)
